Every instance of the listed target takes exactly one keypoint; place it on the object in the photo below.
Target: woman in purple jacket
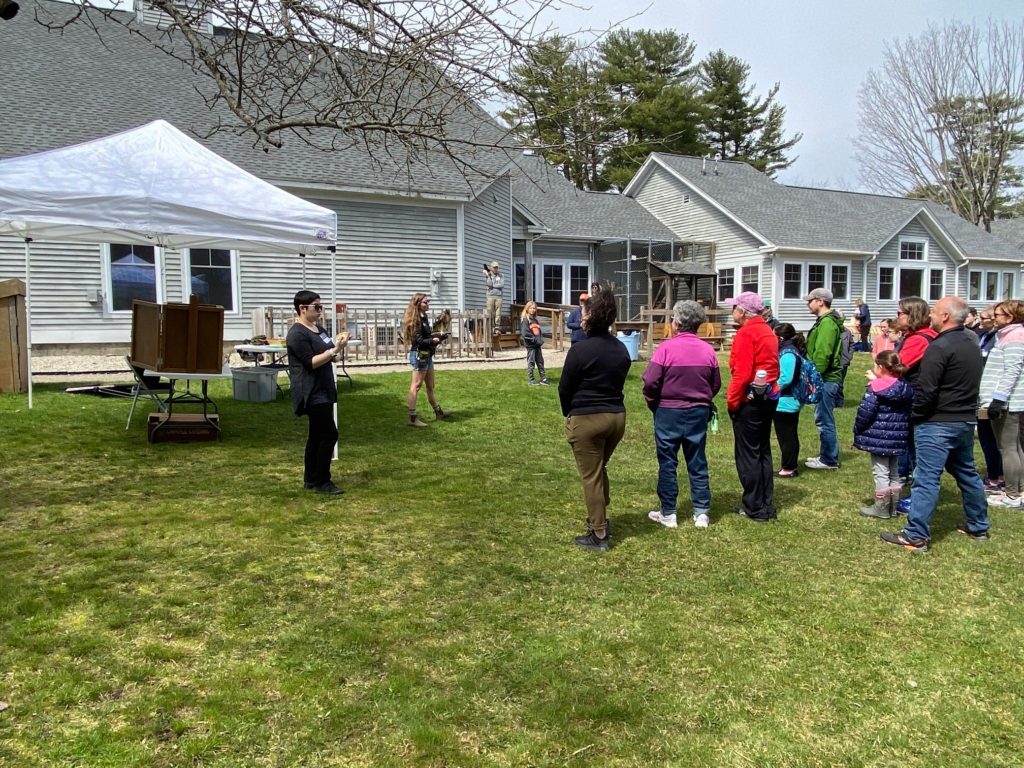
(679, 384)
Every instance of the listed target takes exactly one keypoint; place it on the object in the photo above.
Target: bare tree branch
(944, 118)
(403, 79)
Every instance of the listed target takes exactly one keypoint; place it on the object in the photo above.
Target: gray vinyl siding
(487, 221)
(697, 219)
(383, 257)
(385, 253)
(579, 252)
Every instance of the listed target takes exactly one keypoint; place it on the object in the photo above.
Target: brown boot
(415, 420)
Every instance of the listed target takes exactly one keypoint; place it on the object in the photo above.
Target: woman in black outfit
(590, 392)
(314, 389)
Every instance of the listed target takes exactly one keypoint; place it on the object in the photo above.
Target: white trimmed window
(726, 284)
(792, 281)
(913, 249)
(839, 281)
(130, 272)
(886, 283)
(990, 285)
(899, 282)
(834, 277)
(212, 275)
(750, 279)
(936, 284)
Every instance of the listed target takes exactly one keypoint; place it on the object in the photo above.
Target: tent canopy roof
(153, 185)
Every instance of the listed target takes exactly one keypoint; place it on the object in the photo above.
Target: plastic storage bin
(632, 343)
(255, 385)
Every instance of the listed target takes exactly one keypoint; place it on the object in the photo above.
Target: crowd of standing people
(936, 380)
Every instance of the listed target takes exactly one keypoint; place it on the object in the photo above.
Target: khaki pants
(593, 437)
(493, 310)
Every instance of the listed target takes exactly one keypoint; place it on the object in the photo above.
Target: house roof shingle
(569, 212)
(66, 87)
(822, 219)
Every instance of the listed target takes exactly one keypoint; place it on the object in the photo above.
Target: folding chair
(148, 387)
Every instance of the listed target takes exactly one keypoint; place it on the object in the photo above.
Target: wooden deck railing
(470, 333)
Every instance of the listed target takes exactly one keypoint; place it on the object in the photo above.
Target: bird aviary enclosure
(625, 267)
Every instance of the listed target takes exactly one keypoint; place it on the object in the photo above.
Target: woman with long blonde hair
(533, 341)
(423, 342)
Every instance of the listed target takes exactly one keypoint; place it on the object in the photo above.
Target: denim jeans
(685, 428)
(825, 421)
(949, 446)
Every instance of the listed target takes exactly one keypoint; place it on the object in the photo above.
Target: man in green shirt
(824, 349)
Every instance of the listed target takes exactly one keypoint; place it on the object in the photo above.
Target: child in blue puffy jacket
(882, 428)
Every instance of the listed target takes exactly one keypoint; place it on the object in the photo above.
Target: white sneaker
(701, 521)
(816, 463)
(669, 521)
(1009, 502)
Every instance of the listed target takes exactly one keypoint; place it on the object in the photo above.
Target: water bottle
(760, 386)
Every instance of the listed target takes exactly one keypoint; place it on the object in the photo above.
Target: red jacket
(754, 347)
(912, 349)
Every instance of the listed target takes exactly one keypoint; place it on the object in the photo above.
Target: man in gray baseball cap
(824, 349)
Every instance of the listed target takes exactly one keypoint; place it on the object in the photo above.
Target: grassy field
(191, 605)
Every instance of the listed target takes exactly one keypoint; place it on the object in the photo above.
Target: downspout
(956, 277)
(867, 261)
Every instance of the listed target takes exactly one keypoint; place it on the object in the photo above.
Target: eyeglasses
(901, 312)
(317, 307)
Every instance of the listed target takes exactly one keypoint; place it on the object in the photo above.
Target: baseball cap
(584, 296)
(495, 264)
(820, 293)
(748, 301)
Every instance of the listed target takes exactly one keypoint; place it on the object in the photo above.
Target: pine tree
(651, 81)
(737, 125)
(563, 111)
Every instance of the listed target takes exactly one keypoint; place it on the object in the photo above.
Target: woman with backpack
(792, 350)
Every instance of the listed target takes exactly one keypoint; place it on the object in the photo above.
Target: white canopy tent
(152, 185)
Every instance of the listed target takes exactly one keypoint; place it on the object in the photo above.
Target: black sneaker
(591, 542)
(328, 487)
(979, 536)
(900, 540)
(308, 485)
(742, 512)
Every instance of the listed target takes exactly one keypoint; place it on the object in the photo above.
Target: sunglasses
(317, 307)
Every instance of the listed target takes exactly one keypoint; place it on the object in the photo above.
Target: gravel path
(102, 369)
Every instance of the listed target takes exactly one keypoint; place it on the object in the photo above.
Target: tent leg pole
(28, 315)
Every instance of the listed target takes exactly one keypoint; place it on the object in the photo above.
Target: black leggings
(323, 435)
(787, 431)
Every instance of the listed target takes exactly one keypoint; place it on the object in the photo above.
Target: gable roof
(571, 213)
(819, 219)
(1011, 230)
(68, 87)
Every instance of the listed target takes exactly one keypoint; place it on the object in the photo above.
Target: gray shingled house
(783, 241)
(397, 221)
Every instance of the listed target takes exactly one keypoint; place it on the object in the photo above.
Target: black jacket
(948, 379)
(593, 375)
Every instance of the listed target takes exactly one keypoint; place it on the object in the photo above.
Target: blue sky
(820, 52)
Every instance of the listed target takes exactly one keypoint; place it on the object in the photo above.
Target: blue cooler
(632, 343)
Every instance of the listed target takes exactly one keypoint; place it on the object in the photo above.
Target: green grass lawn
(191, 605)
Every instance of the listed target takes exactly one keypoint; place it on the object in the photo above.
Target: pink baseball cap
(748, 301)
